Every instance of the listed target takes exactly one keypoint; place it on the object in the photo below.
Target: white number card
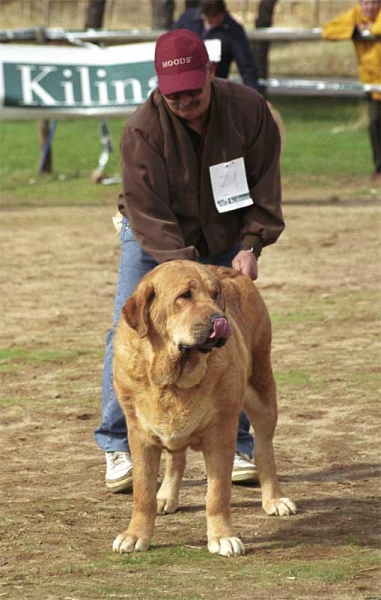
(229, 185)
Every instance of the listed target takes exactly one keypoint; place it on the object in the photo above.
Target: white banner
(54, 81)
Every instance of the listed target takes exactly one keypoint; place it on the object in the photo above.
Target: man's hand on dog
(246, 262)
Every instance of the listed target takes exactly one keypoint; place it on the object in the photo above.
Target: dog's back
(246, 305)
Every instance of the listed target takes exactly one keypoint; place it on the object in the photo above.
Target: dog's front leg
(219, 456)
(146, 460)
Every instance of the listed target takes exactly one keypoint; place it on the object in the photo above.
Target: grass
(325, 138)
(297, 380)
(76, 149)
(322, 137)
(18, 354)
(300, 316)
(191, 575)
(15, 359)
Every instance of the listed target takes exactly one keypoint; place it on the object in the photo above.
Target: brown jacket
(170, 204)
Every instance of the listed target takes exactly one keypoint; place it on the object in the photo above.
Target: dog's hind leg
(168, 494)
(261, 407)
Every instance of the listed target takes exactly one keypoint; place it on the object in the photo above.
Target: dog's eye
(186, 295)
(214, 295)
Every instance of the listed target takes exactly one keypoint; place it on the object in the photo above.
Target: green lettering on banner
(77, 86)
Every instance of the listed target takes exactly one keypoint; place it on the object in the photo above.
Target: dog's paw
(130, 543)
(166, 506)
(279, 507)
(229, 546)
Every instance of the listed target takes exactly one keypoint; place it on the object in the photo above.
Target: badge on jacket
(229, 185)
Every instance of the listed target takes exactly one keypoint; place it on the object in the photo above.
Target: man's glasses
(190, 93)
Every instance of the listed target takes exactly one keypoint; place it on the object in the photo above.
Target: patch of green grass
(371, 380)
(300, 316)
(323, 571)
(328, 572)
(191, 574)
(164, 555)
(298, 379)
(76, 147)
(43, 355)
(13, 357)
(155, 558)
(20, 354)
(75, 151)
(14, 403)
(46, 190)
(312, 150)
(321, 308)
(322, 139)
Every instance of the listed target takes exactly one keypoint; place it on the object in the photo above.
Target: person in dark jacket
(210, 21)
(201, 181)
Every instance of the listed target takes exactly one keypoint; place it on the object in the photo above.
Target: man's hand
(246, 262)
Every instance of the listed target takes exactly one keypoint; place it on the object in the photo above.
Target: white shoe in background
(118, 471)
(244, 470)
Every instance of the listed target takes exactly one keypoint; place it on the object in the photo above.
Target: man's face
(215, 20)
(195, 103)
(370, 8)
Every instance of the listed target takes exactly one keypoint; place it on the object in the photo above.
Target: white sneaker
(118, 471)
(244, 470)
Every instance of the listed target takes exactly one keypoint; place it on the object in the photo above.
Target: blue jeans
(111, 436)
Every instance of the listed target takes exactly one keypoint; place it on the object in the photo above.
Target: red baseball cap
(180, 61)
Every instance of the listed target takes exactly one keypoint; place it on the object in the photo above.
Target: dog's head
(180, 302)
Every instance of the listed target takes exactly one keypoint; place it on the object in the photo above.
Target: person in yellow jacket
(364, 18)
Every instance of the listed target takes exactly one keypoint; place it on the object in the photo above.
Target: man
(211, 20)
(201, 182)
(364, 18)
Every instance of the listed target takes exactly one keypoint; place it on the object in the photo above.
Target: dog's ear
(136, 309)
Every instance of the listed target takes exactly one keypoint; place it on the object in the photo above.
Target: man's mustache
(180, 106)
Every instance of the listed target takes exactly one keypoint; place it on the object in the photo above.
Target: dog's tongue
(221, 328)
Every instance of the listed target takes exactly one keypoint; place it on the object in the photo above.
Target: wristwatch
(251, 249)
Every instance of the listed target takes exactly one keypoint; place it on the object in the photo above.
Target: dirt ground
(321, 282)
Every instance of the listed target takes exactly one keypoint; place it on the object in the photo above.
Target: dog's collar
(206, 347)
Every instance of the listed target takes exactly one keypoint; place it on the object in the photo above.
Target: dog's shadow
(337, 473)
(323, 521)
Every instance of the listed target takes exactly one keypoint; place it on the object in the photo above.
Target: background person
(364, 17)
(192, 122)
(211, 20)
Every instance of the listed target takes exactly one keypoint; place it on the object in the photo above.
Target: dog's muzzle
(219, 333)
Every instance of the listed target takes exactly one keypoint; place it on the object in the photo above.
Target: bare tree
(162, 13)
(261, 49)
(94, 14)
